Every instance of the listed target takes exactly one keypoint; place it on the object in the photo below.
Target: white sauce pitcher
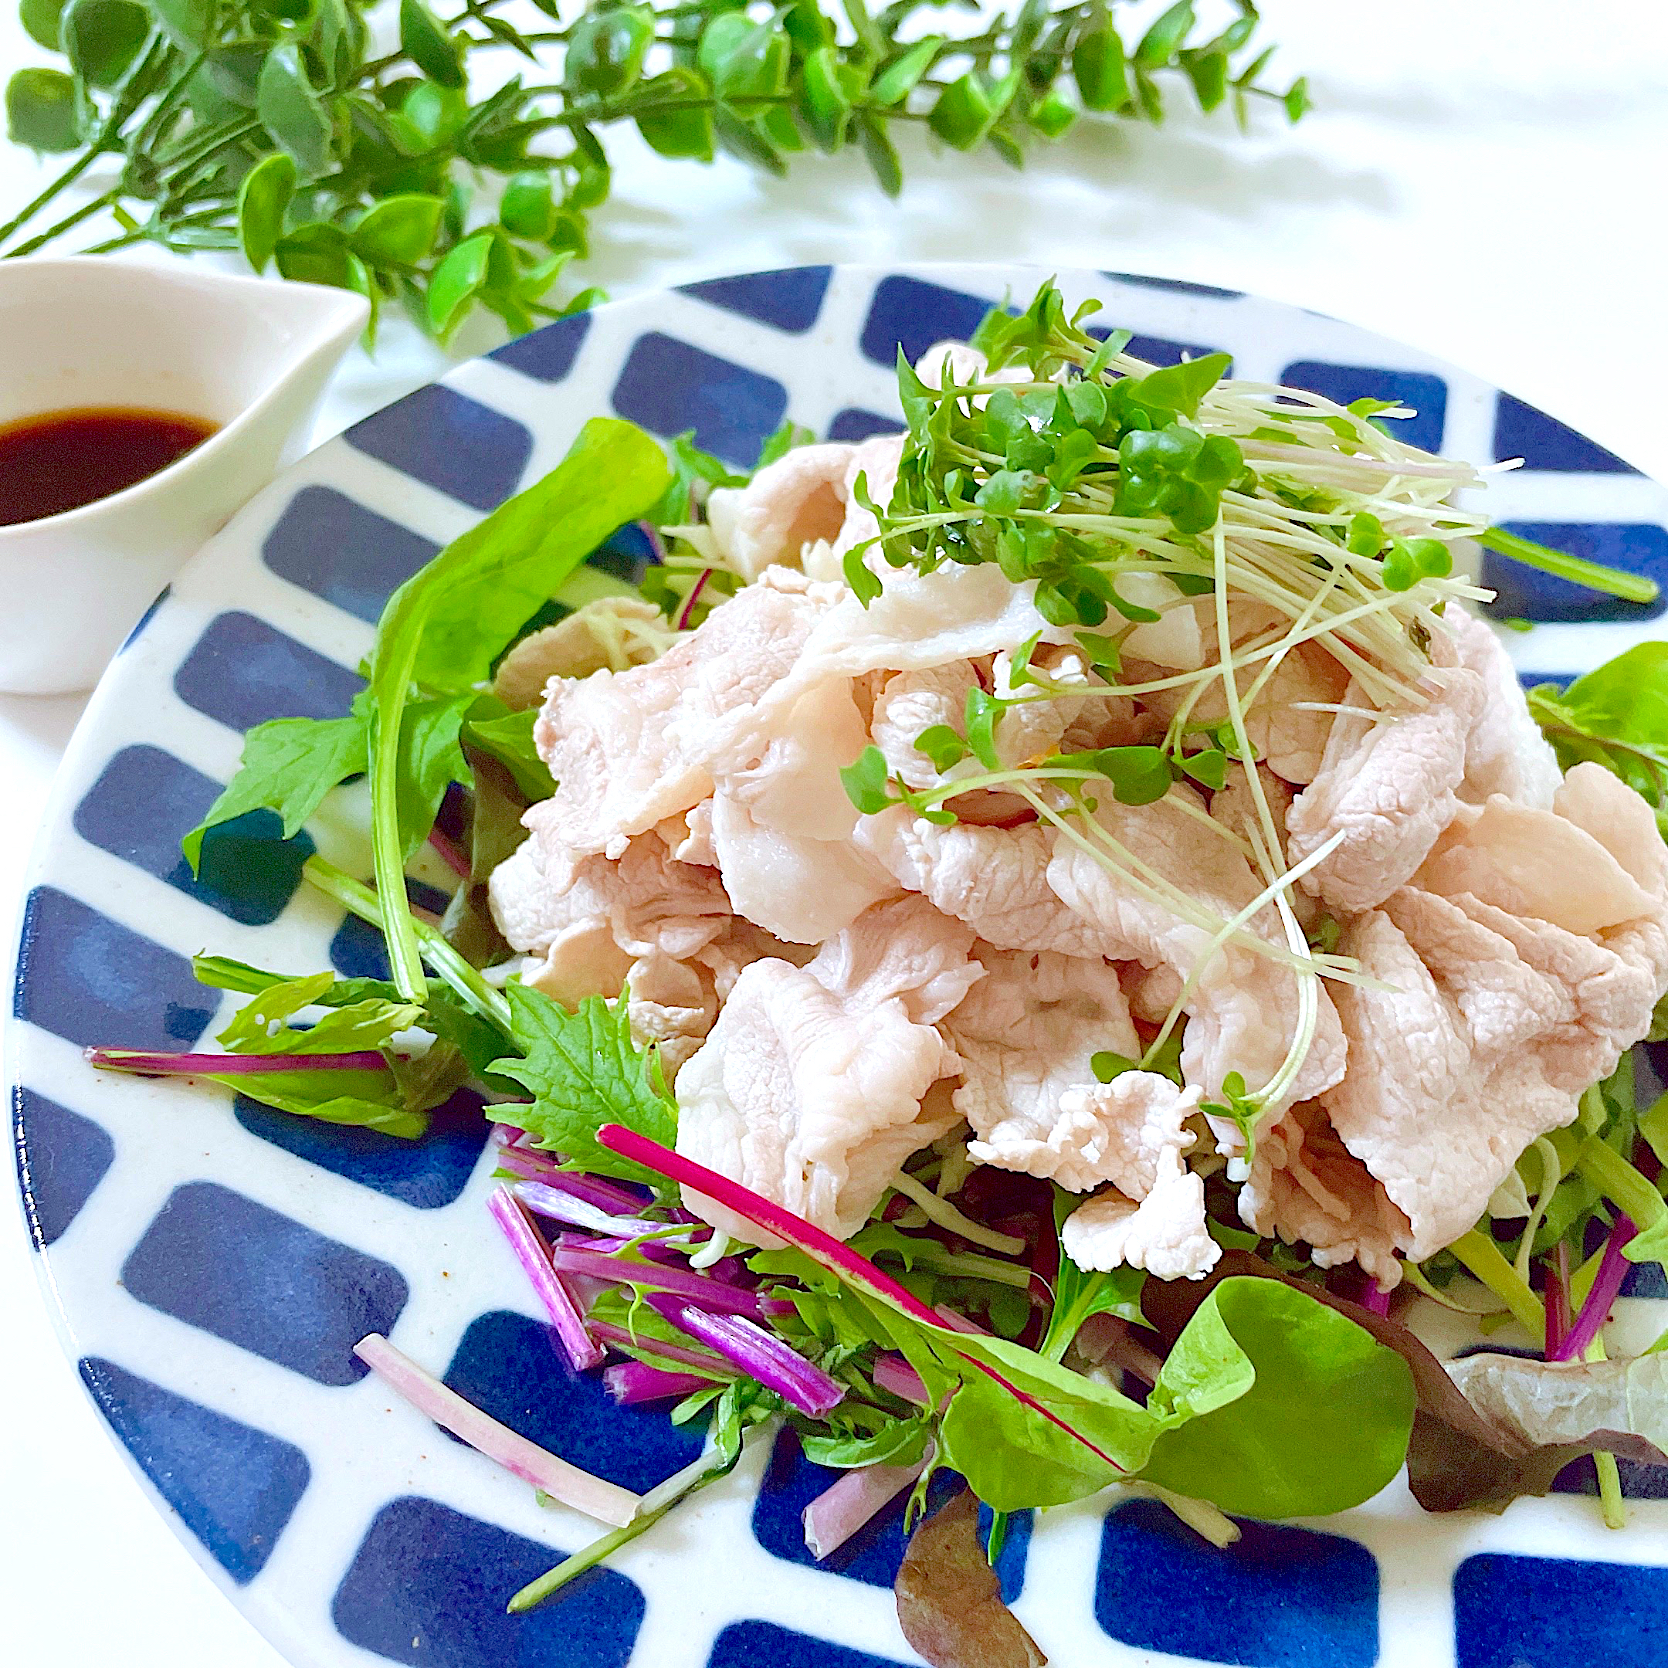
(249, 355)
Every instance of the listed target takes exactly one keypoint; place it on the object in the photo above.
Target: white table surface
(1484, 178)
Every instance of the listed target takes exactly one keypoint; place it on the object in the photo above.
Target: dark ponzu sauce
(62, 459)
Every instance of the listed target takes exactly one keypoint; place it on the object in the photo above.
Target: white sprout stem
(594, 1496)
(1230, 692)
(1169, 897)
(1335, 967)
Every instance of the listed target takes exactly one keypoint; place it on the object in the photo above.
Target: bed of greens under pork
(950, 1331)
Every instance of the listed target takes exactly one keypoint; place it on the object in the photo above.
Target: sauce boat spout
(248, 356)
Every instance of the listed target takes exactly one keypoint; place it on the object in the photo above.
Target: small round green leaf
(606, 51)
(881, 154)
(683, 132)
(262, 201)
(399, 231)
(40, 19)
(457, 281)
(102, 38)
(45, 110)
(964, 112)
(291, 111)
(187, 23)
(1161, 42)
(1097, 63)
(824, 104)
(316, 253)
(527, 207)
(428, 45)
(900, 77)
(1051, 115)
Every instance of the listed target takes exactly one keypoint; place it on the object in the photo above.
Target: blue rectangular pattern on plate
(84, 977)
(449, 442)
(215, 1259)
(511, 1367)
(1513, 1612)
(669, 386)
(61, 1158)
(764, 1645)
(1278, 1598)
(426, 1173)
(1425, 395)
(234, 1487)
(428, 1585)
(1520, 431)
(790, 299)
(1526, 593)
(911, 314)
(147, 800)
(328, 544)
(243, 671)
(546, 355)
(853, 423)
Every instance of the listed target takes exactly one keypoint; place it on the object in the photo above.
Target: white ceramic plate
(211, 1265)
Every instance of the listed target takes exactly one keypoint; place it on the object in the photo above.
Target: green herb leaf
(288, 766)
(584, 1071)
(866, 781)
(1165, 36)
(900, 77)
(509, 740)
(475, 596)
(606, 49)
(261, 1025)
(457, 281)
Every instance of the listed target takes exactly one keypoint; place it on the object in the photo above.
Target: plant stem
(360, 900)
(85, 212)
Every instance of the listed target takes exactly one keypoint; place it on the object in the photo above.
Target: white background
(1484, 178)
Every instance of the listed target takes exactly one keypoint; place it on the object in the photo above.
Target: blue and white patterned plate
(212, 1263)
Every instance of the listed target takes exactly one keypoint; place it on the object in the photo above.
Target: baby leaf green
(1323, 1426)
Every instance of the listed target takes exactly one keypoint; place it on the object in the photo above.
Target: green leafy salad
(1047, 951)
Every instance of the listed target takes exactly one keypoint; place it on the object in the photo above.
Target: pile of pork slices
(830, 992)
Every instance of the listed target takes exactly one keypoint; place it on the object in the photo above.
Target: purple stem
(532, 1165)
(630, 1382)
(1607, 1286)
(449, 852)
(686, 1285)
(1376, 1298)
(656, 543)
(146, 1064)
(558, 1204)
(759, 1353)
(577, 1344)
(623, 1337)
(694, 596)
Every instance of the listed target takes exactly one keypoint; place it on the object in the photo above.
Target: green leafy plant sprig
(284, 128)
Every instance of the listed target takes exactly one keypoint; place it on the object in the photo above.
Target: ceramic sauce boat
(249, 356)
